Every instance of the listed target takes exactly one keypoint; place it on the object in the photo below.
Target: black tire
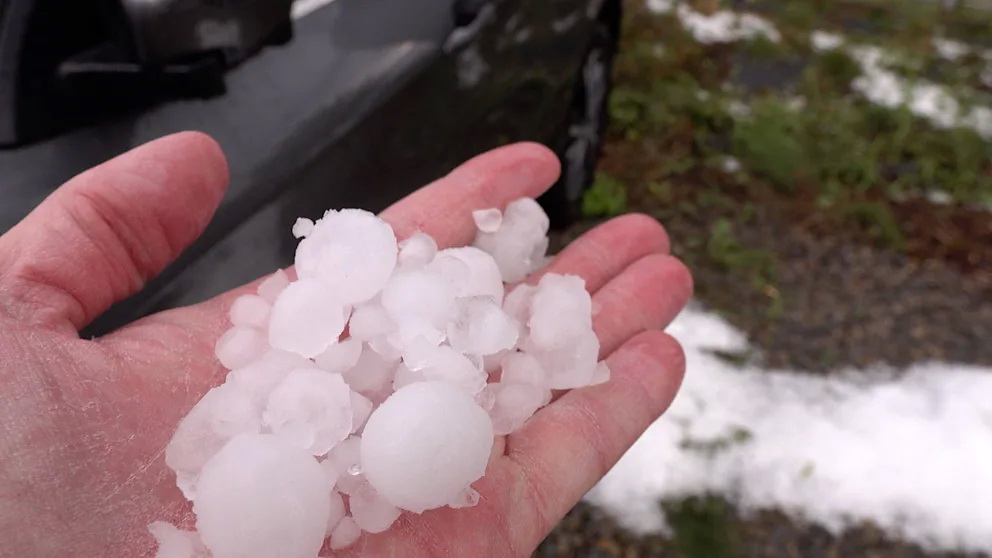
(581, 143)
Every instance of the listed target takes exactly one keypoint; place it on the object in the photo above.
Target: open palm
(83, 423)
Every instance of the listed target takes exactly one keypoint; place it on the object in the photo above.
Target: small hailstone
(173, 543)
(453, 270)
(486, 398)
(306, 319)
(481, 327)
(336, 515)
(371, 372)
(419, 294)
(361, 408)
(263, 374)
(518, 306)
(331, 472)
(561, 310)
(519, 244)
(235, 411)
(239, 346)
(417, 251)
(445, 364)
(571, 365)
(346, 460)
(415, 330)
(315, 403)
(523, 368)
(250, 310)
(352, 252)
(197, 439)
(492, 363)
(270, 288)
(477, 361)
(371, 511)
(261, 497)
(404, 377)
(483, 277)
(385, 346)
(515, 403)
(426, 463)
(339, 357)
(487, 220)
(302, 227)
(466, 499)
(370, 321)
(345, 534)
(601, 375)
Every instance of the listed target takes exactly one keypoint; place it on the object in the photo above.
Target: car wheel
(582, 137)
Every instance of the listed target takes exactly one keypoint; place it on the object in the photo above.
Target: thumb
(98, 238)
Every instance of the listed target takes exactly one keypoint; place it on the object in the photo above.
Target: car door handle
(470, 17)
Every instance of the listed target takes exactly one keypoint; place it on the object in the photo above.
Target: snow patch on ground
(723, 26)
(933, 102)
(910, 452)
(878, 84)
(824, 41)
(925, 99)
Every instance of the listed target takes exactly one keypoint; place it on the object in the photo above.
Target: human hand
(83, 423)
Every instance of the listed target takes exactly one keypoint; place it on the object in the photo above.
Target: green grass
(703, 528)
(725, 249)
(607, 197)
(679, 112)
(843, 147)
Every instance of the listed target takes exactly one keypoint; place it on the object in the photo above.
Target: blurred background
(824, 167)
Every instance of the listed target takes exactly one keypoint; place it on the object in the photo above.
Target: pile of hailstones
(374, 384)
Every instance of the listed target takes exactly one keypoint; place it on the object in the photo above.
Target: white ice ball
(351, 251)
(425, 462)
(483, 279)
(306, 318)
(262, 497)
(312, 408)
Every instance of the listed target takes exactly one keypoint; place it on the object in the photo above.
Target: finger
(605, 251)
(443, 209)
(647, 295)
(99, 237)
(571, 444)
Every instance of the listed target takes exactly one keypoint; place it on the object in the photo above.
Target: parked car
(317, 103)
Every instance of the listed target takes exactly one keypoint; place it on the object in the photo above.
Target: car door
(367, 100)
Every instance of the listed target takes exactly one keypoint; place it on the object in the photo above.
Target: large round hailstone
(262, 497)
(306, 318)
(425, 445)
(351, 251)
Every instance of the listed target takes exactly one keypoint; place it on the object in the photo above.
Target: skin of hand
(84, 422)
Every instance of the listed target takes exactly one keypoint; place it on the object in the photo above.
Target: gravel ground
(587, 532)
(845, 304)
